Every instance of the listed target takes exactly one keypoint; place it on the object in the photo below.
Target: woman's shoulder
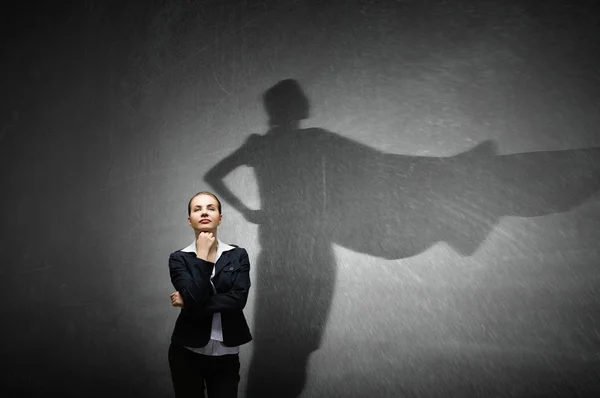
(180, 255)
(236, 247)
(237, 250)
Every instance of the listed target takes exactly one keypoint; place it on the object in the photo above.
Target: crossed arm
(192, 284)
(193, 287)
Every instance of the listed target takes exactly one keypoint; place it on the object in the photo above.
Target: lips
(204, 221)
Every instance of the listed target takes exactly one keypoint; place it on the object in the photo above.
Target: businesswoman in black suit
(212, 281)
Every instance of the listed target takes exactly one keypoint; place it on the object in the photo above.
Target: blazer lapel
(222, 262)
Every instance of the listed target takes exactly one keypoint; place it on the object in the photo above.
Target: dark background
(440, 209)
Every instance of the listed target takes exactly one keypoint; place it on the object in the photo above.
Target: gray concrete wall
(429, 229)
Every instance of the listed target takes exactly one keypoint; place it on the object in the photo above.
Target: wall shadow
(318, 188)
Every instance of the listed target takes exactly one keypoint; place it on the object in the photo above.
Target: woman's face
(204, 214)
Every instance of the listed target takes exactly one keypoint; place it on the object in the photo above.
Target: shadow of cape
(397, 206)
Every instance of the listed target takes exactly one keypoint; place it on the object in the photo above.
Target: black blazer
(191, 277)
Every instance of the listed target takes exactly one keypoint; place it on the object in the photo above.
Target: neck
(287, 126)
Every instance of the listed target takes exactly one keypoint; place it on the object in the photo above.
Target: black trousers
(191, 372)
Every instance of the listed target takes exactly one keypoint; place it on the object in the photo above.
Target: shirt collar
(223, 247)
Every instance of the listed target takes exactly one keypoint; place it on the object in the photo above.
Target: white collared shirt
(215, 345)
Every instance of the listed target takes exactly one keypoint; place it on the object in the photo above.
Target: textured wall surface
(418, 184)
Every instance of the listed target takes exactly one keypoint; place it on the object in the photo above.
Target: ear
(220, 218)
(189, 221)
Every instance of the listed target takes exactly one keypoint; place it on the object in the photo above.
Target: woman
(212, 280)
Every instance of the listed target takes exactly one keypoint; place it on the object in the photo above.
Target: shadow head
(285, 103)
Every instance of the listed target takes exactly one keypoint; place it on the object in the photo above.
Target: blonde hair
(189, 207)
